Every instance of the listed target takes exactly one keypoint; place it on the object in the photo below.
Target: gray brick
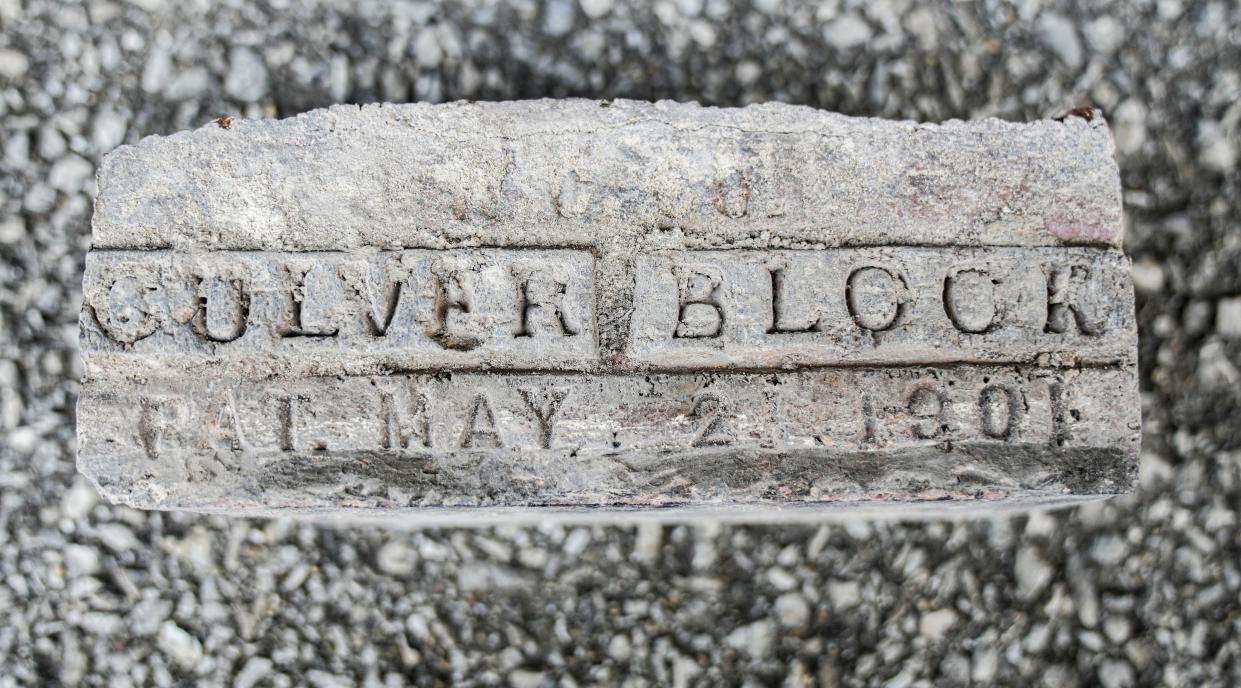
(524, 309)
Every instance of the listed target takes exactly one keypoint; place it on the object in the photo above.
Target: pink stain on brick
(1074, 233)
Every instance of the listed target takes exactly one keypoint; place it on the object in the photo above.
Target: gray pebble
(247, 78)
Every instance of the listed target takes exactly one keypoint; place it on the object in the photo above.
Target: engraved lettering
(572, 196)
(382, 297)
(1061, 432)
(480, 425)
(732, 194)
(313, 304)
(127, 313)
(223, 309)
(927, 405)
(200, 468)
(701, 314)
(870, 425)
(223, 427)
(154, 425)
(999, 407)
(781, 302)
(404, 425)
(544, 406)
(1065, 287)
(709, 408)
(875, 297)
(540, 306)
(452, 296)
(969, 300)
(289, 417)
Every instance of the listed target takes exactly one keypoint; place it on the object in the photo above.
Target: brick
(566, 308)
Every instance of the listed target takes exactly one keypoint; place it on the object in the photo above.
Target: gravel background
(1141, 591)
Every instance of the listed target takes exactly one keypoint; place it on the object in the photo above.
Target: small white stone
(1215, 370)
(702, 32)
(780, 579)
(146, 616)
(1217, 150)
(1040, 524)
(1228, 317)
(107, 130)
(532, 557)
(619, 648)
(646, 543)
(101, 623)
(524, 678)
(396, 558)
(792, 610)
(24, 439)
(12, 229)
(986, 663)
(13, 64)
(1154, 470)
(80, 560)
(1059, 34)
(1115, 673)
(595, 8)
(755, 640)
(921, 23)
(936, 624)
(1033, 572)
(577, 542)
(844, 594)
(117, 537)
(79, 499)
(255, 670)
(510, 658)
(1104, 34)
(558, 17)
(1036, 640)
(322, 679)
(1148, 276)
(184, 649)
(148, 5)
(69, 173)
(188, 83)
(494, 549)
(427, 49)
(158, 66)
(747, 72)
(690, 8)
(419, 627)
(847, 31)
(1168, 10)
(52, 143)
(247, 78)
(1117, 629)
(1109, 550)
(195, 549)
(1129, 126)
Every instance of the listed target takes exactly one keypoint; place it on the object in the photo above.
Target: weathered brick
(527, 309)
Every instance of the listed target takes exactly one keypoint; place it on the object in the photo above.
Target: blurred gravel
(1141, 591)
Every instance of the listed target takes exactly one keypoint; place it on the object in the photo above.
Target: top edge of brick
(621, 173)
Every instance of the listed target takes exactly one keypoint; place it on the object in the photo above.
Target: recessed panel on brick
(883, 305)
(660, 439)
(334, 312)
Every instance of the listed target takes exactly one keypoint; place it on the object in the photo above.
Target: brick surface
(562, 304)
